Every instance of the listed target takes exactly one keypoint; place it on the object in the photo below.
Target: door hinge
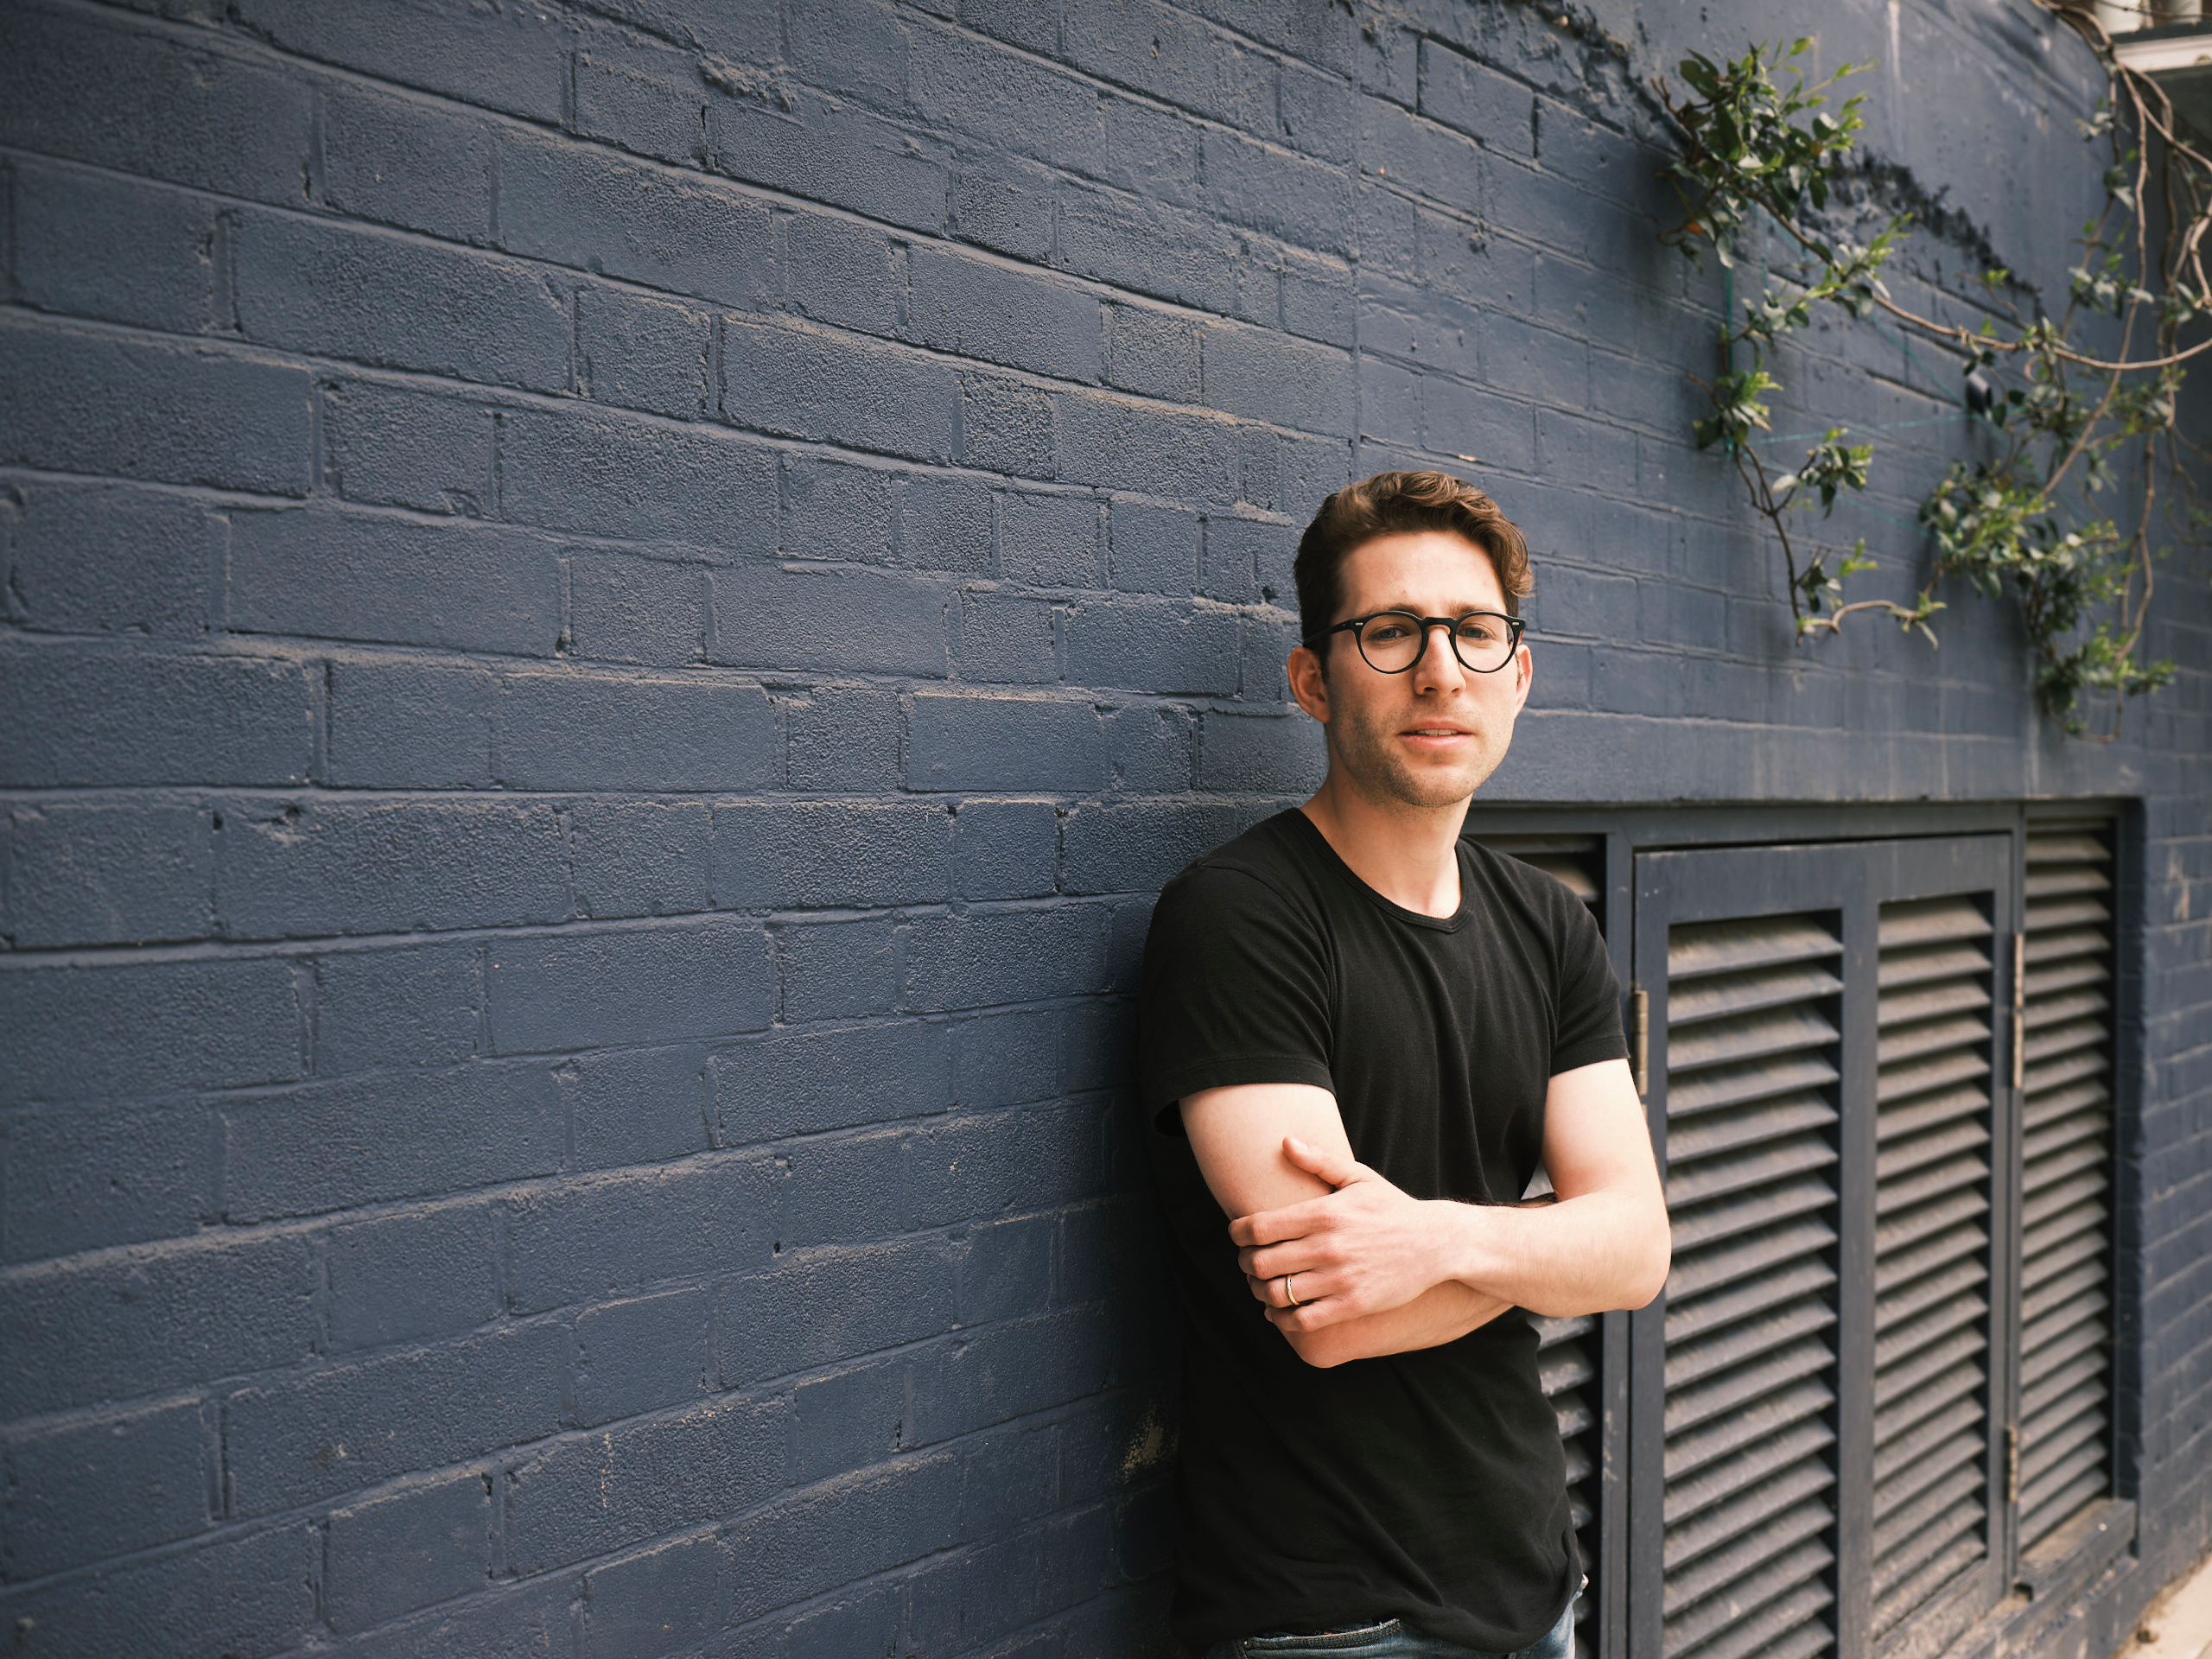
(1639, 1038)
(2012, 1463)
(2019, 1012)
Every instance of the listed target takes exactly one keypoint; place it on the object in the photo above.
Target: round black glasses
(1392, 642)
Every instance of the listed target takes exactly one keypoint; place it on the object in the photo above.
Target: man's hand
(1364, 1248)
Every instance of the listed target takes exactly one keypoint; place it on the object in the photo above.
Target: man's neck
(1408, 853)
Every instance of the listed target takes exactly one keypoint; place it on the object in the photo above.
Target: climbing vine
(2066, 425)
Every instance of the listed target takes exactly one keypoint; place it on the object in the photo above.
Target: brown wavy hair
(1388, 505)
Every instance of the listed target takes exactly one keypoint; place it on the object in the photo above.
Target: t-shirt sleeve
(1589, 996)
(1234, 989)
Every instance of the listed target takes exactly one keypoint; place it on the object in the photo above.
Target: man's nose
(1440, 664)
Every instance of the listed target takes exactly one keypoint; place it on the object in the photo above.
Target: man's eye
(1478, 630)
(1388, 632)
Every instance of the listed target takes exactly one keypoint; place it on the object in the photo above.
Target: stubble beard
(1373, 765)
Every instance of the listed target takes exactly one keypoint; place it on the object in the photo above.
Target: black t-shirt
(1428, 1486)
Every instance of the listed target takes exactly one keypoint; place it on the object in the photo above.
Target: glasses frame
(1514, 627)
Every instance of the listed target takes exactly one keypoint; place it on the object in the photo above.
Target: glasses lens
(1391, 640)
(1483, 641)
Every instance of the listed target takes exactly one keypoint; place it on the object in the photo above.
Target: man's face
(1429, 737)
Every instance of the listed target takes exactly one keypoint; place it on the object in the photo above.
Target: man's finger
(1336, 1168)
(1273, 1226)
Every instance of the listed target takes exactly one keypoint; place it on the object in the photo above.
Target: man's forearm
(1443, 1312)
(1587, 1254)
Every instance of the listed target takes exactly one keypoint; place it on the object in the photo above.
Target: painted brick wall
(612, 611)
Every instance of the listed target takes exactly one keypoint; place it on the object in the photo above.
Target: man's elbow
(1321, 1349)
(1654, 1259)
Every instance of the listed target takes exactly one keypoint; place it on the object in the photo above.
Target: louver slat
(2066, 1178)
(1933, 1124)
(1750, 1364)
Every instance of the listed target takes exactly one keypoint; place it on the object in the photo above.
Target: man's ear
(1524, 670)
(1309, 682)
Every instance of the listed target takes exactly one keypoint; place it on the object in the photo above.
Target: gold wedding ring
(1288, 1291)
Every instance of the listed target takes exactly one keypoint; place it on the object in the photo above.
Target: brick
(1004, 849)
(643, 353)
(959, 303)
(67, 224)
(1254, 754)
(639, 858)
(1008, 1369)
(392, 581)
(608, 474)
(636, 1107)
(835, 511)
(1277, 191)
(538, 1619)
(1008, 100)
(427, 1541)
(961, 741)
(641, 97)
(1051, 541)
(844, 621)
(1153, 646)
(515, 63)
(1004, 1059)
(800, 383)
(578, 206)
(1174, 57)
(846, 1419)
(411, 1276)
(643, 1354)
(83, 873)
(577, 731)
(335, 867)
(1137, 846)
(1149, 748)
(337, 1428)
(360, 1139)
(1147, 451)
(650, 1603)
(837, 271)
(415, 1006)
(1153, 248)
(76, 403)
(407, 161)
(843, 737)
(388, 299)
(1004, 1269)
(142, 1027)
(133, 1322)
(1153, 352)
(100, 559)
(817, 853)
(799, 1082)
(1263, 375)
(839, 969)
(1004, 206)
(1006, 427)
(1156, 549)
(1480, 102)
(1152, 152)
(944, 523)
(1003, 638)
(139, 103)
(401, 723)
(587, 1495)
(246, 1593)
(849, 1188)
(578, 988)
(79, 1178)
(1024, 955)
(106, 1487)
(605, 1235)
(828, 153)
(840, 1531)
(388, 446)
(1249, 560)
(627, 610)
(1414, 154)
(868, 1621)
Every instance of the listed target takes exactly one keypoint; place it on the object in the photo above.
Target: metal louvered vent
(1569, 1349)
(2065, 1331)
(1566, 1364)
(1933, 1128)
(1751, 1368)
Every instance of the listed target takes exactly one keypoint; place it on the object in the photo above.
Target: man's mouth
(1436, 732)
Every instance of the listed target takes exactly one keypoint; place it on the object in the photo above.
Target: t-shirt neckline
(1450, 924)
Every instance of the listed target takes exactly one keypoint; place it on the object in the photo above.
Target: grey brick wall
(613, 610)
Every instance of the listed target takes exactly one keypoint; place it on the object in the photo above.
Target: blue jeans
(1391, 1640)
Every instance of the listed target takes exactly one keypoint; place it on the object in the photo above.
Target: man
(1359, 1036)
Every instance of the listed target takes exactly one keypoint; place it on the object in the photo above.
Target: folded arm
(1376, 1271)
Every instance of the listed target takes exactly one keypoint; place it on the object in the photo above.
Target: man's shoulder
(1266, 857)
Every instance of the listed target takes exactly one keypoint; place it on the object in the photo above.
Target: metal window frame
(1616, 834)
